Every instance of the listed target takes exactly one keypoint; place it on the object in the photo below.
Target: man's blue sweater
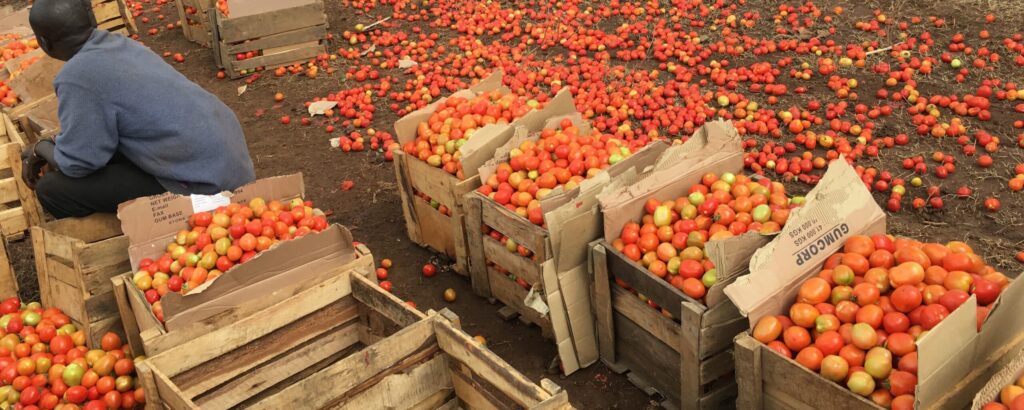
(117, 95)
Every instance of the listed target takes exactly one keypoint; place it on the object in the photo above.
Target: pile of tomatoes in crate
(858, 320)
(44, 363)
(221, 239)
(669, 240)
(560, 157)
(438, 140)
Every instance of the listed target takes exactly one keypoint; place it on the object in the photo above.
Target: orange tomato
(810, 357)
(859, 244)
(813, 291)
(768, 328)
(803, 314)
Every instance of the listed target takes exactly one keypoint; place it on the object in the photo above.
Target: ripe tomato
(429, 270)
(803, 314)
(906, 298)
(834, 368)
(796, 338)
(767, 329)
(810, 357)
(813, 291)
(829, 343)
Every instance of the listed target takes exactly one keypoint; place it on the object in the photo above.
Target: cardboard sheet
(837, 208)
(151, 223)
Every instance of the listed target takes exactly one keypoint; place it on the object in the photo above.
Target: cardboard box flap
(1003, 325)
(731, 256)
(717, 149)
(945, 353)
(151, 222)
(405, 127)
(287, 261)
(573, 220)
(838, 207)
(1007, 376)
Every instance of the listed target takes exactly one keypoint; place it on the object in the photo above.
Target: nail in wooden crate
(114, 16)
(485, 252)
(147, 336)
(344, 344)
(426, 225)
(281, 36)
(195, 20)
(75, 259)
(687, 359)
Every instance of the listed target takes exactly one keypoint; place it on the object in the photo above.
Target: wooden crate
(114, 16)
(687, 360)
(19, 207)
(344, 344)
(484, 252)
(147, 336)
(425, 225)
(280, 38)
(195, 20)
(767, 380)
(35, 120)
(75, 259)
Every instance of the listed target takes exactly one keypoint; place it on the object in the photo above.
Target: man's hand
(34, 159)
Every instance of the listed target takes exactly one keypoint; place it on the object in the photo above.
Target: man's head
(62, 26)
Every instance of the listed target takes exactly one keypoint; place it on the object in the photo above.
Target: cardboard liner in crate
(955, 359)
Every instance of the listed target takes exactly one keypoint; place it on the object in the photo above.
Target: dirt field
(372, 208)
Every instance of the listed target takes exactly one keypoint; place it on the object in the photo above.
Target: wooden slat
(435, 227)
(5, 158)
(106, 11)
(297, 55)
(406, 389)
(59, 271)
(349, 372)
(636, 349)
(747, 354)
(432, 181)
(239, 362)
(9, 190)
(601, 300)
(156, 340)
(522, 267)
(794, 386)
(473, 396)
(718, 337)
(637, 277)
(511, 294)
(60, 246)
(113, 251)
(67, 298)
(437, 400)
(406, 194)
(8, 282)
(102, 306)
(234, 30)
(249, 384)
(170, 395)
(299, 36)
(475, 248)
(458, 222)
(124, 308)
(95, 227)
(13, 221)
(516, 227)
(179, 359)
(29, 203)
(148, 382)
(39, 255)
(97, 279)
(384, 303)
(716, 366)
(723, 396)
(489, 366)
(647, 318)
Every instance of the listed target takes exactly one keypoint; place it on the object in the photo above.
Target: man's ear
(88, 8)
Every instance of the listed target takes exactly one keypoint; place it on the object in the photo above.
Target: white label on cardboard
(534, 301)
(204, 203)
